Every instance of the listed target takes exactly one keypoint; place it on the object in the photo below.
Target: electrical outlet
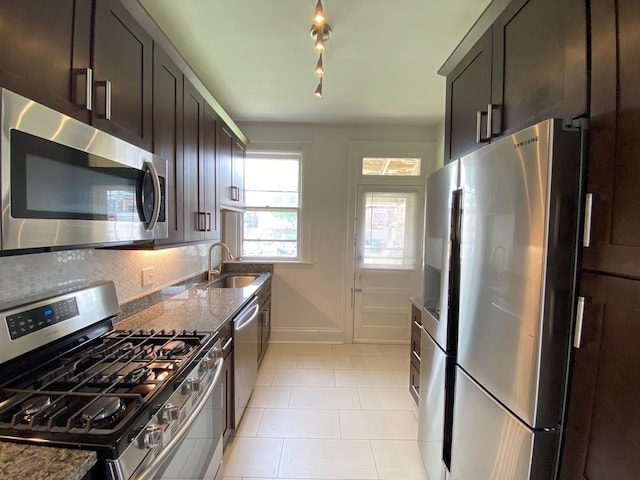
(147, 276)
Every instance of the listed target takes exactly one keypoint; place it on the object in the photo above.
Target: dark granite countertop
(196, 308)
(417, 301)
(19, 461)
(186, 307)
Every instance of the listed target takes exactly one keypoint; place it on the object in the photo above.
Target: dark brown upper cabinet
(530, 65)
(201, 220)
(122, 74)
(208, 196)
(167, 138)
(231, 156)
(48, 56)
(468, 94)
(46, 52)
(614, 169)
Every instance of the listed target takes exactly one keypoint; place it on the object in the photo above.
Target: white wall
(308, 302)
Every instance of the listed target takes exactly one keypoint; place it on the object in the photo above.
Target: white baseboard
(299, 335)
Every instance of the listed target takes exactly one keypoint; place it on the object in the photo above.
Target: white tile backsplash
(25, 276)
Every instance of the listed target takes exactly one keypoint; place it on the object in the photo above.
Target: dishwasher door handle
(245, 322)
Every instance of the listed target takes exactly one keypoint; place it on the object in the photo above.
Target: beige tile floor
(328, 412)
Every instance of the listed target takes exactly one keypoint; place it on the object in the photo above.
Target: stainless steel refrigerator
(500, 274)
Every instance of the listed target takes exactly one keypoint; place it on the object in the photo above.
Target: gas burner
(34, 405)
(175, 347)
(103, 412)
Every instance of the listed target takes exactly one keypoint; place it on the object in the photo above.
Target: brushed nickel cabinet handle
(577, 337)
(87, 73)
(235, 193)
(588, 212)
(106, 84)
(479, 138)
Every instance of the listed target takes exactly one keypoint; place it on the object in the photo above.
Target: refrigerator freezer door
(491, 443)
(518, 232)
(431, 407)
(440, 186)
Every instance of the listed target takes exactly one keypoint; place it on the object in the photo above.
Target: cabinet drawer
(414, 382)
(415, 348)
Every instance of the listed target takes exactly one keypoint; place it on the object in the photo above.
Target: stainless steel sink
(233, 281)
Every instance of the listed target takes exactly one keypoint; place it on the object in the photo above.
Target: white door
(388, 254)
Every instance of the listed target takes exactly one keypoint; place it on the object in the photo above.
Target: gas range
(126, 394)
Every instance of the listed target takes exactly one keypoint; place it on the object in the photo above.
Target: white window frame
(283, 151)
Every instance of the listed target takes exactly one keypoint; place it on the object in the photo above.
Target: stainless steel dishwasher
(245, 362)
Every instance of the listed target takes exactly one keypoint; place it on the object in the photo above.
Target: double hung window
(271, 224)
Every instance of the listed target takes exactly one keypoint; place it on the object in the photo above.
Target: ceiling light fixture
(318, 15)
(318, 92)
(319, 67)
(320, 33)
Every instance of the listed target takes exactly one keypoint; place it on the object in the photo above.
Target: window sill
(274, 261)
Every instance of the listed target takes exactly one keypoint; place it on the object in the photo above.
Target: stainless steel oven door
(199, 454)
(183, 440)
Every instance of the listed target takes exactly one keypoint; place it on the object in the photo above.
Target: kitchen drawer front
(265, 292)
(414, 383)
(416, 332)
(415, 346)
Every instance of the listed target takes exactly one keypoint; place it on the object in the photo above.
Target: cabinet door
(193, 115)
(614, 170)
(208, 180)
(167, 139)
(122, 63)
(539, 67)
(225, 164)
(238, 154)
(601, 436)
(468, 95)
(42, 44)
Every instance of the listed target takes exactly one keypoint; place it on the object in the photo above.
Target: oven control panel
(29, 321)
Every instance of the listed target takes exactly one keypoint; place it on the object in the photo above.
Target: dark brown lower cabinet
(602, 439)
(264, 325)
(414, 365)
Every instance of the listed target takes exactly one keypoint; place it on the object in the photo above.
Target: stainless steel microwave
(65, 183)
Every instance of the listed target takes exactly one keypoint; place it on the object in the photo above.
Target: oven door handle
(157, 462)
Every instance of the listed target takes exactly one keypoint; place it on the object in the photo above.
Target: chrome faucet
(225, 251)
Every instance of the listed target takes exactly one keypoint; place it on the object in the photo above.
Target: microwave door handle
(157, 462)
(157, 195)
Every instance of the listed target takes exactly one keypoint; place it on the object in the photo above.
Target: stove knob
(209, 363)
(192, 385)
(152, 436)
(170, 412)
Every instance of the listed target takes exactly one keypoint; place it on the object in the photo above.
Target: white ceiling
(257, 58)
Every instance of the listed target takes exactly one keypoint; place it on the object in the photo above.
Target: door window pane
(391, 167)
(388, 234)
